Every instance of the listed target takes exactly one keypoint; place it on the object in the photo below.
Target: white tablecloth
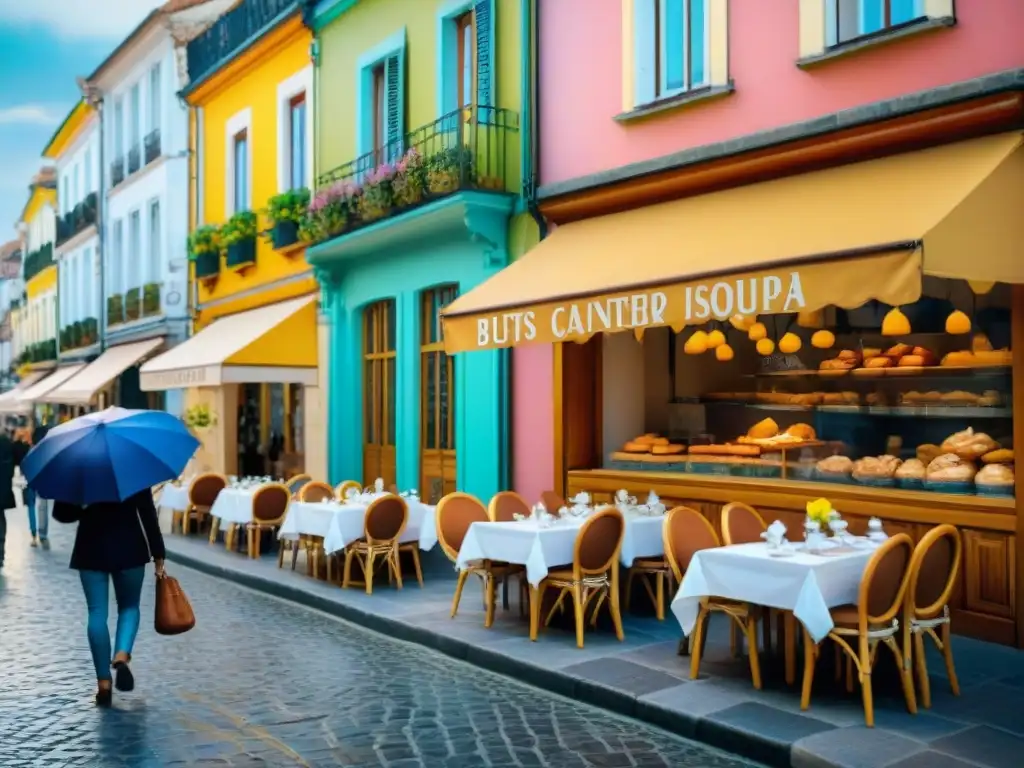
(173, 497)
(341, 524)
(808, 585)
(540, 549)
(234, 505)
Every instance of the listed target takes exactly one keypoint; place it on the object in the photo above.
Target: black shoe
(124, 680)
(104, 697)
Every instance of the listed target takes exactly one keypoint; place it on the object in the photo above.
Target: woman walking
(114, 543)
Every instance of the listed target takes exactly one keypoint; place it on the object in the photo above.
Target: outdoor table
(341, 524)
(173, 497)
(234, 505)
(804, 584)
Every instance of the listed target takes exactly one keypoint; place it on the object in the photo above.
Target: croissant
(969, 444)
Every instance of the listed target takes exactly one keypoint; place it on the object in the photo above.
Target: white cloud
(30, 114)
(103, 19)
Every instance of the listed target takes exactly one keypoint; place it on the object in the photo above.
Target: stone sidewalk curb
(734, 740)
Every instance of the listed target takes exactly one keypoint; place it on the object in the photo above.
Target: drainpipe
(532, 108)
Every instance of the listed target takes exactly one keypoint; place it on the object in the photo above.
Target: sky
(44, 46)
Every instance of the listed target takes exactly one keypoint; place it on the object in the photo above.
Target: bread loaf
(634, 447)
(725, 450)
(669, 449)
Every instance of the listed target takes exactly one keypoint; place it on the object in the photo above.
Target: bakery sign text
(176, 379)
(685, 304)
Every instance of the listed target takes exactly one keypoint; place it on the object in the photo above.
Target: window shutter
(394, 79)
(483, 12)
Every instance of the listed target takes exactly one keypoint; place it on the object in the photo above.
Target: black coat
(11, 454)
(113, 536)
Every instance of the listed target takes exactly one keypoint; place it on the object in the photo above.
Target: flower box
(283, 234)
(207, 264)
(241, 254)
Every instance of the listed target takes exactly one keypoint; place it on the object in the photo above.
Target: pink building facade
(610, 107)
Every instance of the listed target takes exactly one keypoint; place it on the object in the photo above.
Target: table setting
(234, 502)
(341, 523)
(543, 540)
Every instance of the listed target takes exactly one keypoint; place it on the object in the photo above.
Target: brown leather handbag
(173, 610)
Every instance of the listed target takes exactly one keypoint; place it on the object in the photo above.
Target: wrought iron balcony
(134, 160)
(152, 146)
(464, 150)
(77, 219)
(231, 32)
(38, 260)
(117, 172)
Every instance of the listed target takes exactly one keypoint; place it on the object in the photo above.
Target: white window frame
(299, 83)
(238, 122)
(647, 88)
(154, 115)
(154, 254)
(133, 276)
(832, 13)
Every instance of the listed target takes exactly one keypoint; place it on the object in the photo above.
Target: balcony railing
(464, 150)
(231, 32)
(37, 261)
(134, 160)
(79, 334)
(115, 309)
(77, 219)
(117, 172)
(152, 146)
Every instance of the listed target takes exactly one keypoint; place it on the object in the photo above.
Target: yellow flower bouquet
(820, 511)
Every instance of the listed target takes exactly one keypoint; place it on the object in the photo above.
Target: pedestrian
(38, 507)
(114, 543)
(7, 459)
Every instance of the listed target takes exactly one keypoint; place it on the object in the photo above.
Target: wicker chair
(593, 575)
(552, 501)
(385, 521)
(456, 512)
(870, 623)
(269, 506)
(201, 494)
(344, 487)
(505, 505)
(933, 570)
(296, 482)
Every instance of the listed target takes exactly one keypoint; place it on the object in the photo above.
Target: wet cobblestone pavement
(261, 682)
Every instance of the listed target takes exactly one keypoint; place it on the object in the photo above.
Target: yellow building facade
(36, 321)
(254, 361)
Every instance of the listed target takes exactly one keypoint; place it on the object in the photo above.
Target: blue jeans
(38, 512)
(128, 593)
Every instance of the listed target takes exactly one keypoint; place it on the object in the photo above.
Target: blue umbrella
(108, 456)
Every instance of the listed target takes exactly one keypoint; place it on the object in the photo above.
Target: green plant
(329, 212)
(133, 304)
(410, 182)
(288, 206)
(199, 416)
(242, 226)
(151, 298)
(449, 169)
(204, 239)
(115, 309)
(377, 197)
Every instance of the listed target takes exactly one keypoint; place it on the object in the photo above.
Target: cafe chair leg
(463, 575)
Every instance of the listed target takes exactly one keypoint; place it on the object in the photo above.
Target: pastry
(634, 447)
(870, 352)
(725, 450)
(624, 456)
(802, 431)
(659, 441)
(911, 469)
(922, 352)
(969, 444)
(994, 474)
(959, 359)
(915, 360)
(926, 452)
(876, 467)
(655, 458)
(990, 398)
(764, 428)
(850, 354)
(898, 350)
(835, 465)
(837, 365)
(993, 357)
(840, 398)
(882, 361)
(959, 397)
(876, 398)
(669, 449)
(647, 439)
(980, 343)
(950, 468)
(998, 456)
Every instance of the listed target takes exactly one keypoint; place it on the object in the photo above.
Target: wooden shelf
(904, 411)
(936, 371)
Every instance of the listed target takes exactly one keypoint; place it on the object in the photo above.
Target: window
(134, 250)
(154, 98)
(88, 171)
(64, 204)
(682, 54)
(380, 113)
(379, 340)
(297, 141)
(465, 69)
(135, 117)
(240, 164)
(87, 290)
(118, 129)
(72, 307)
(76, 193)
(437, 399)
(153, 273)
(847, 20)
(116, 259)
(380, 107)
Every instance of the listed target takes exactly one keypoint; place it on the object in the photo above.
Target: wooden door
(379, 393)
(437, 399)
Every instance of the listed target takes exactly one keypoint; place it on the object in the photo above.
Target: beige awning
(9, 402)
(272, 344)
(837, 237)
(82, 388)
(39, 390)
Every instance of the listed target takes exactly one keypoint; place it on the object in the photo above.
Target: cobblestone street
(263, 682)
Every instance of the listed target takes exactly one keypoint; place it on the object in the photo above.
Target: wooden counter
(984, 604)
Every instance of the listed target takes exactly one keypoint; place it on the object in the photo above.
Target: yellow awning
(272, 344)
(838, 237)
(82, 388)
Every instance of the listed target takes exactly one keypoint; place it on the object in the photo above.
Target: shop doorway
(437, 399)
(379, 332)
